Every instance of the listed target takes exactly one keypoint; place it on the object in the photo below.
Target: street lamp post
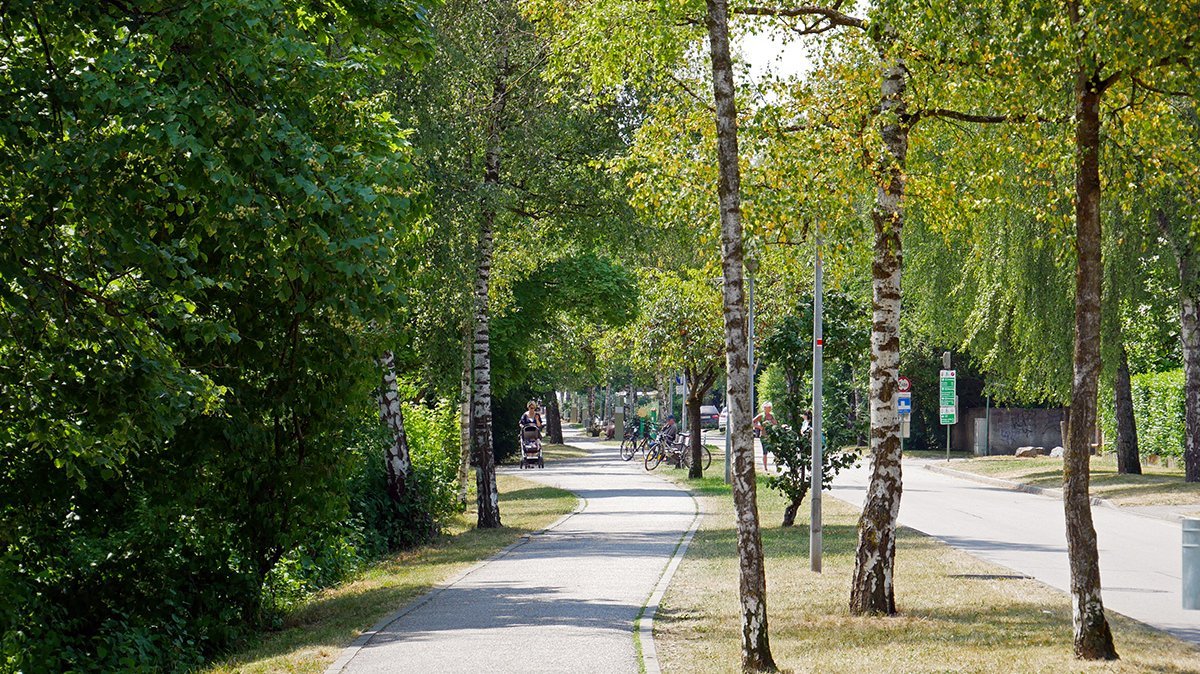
(815, 536)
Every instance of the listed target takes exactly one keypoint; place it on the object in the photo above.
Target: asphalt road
(1140, 557)
(565, 600)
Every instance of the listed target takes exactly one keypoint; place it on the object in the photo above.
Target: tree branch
(829, 14)
(982, 119)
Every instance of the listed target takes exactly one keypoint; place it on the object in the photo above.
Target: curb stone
(1044, 491)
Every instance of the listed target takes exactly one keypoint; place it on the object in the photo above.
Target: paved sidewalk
(1140, 557)
(565, 600)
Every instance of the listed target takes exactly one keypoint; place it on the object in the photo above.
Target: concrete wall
(1011, 428)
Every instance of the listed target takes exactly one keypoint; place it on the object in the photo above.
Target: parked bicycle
(679, 454)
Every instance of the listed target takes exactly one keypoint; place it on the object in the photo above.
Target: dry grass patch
(1158, 485)
(958, 614)
(314, 634)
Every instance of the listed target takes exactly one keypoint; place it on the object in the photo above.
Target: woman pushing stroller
(531, 437)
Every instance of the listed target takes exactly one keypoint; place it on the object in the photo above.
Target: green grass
(314, 634)
(1158, 485)
(957, 613)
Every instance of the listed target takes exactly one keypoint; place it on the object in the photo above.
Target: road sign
(903, 384)
(947, 397)
(904, 404)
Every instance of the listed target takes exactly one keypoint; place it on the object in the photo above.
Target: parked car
(723, 419)
(709, 416)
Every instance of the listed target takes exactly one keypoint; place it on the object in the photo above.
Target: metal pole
(947, 442)
(728, 447)
(1191, 564)
(818, 478)
(750, 346)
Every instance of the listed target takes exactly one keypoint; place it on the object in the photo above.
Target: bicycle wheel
(707, 457)
(654, 456)
(628, 448)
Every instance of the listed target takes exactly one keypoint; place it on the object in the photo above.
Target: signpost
(948, 403)
(904, 407)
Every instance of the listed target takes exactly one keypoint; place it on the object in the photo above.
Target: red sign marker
(903, 384)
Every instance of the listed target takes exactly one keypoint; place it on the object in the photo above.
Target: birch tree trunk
(872, 591)
(1128, 460)
(1189, 334)
(1189, 310)
(1092, 636)
(464, 423)
(398, 461)
(487, 495)
(752, 581)
(591, 405)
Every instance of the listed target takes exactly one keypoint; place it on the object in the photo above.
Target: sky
(766, 54)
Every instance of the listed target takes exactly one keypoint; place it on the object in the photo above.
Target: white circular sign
(903, 384)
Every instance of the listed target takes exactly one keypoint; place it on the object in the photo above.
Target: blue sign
(904, 403)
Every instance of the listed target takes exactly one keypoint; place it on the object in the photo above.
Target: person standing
(759, 422)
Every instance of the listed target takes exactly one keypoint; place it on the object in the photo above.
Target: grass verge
(314, 634)
(958, 614)
(1158, 485)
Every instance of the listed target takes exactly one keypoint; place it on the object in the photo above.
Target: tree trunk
(752, 583)
(695, 445)
(1128, 459)
(464, 423)
(553, 420)
(399, 463)
(1190, 334)
(871, 590)
(591, 405)
(790, 511)
(1093, 638)
(487, 495)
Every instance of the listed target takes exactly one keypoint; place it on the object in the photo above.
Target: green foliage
(1158, 408)
(207, 221)
(793, 462)
(788, 348)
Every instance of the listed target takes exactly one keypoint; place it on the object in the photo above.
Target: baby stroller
(531, 447)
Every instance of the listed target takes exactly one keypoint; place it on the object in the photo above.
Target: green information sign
(947, 397)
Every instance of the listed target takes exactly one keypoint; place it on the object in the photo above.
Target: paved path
(1140, 557)
(565, 600)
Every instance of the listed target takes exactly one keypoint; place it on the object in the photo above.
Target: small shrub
(793, 465)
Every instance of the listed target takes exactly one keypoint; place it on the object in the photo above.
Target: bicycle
(630, 441)
(685, 451)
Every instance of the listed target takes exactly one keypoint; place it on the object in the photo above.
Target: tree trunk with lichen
(752, 578)
(872, 590)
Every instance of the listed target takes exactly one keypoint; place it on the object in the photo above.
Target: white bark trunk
(872, 590)
(398, 461)
(752, 579)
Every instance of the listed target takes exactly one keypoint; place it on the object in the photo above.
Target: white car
(721, 420)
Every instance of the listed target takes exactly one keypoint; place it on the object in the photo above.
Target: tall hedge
(1158, 411)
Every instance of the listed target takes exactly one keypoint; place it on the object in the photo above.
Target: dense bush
(206, 229)
(374, 524)
(1158, 408)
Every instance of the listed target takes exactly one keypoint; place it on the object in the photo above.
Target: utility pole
(815, 536)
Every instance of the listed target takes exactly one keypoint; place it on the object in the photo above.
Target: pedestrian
(759, 422)
(531, 416)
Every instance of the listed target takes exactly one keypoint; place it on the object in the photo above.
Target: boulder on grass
(1056, 453)
(1028, 452)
